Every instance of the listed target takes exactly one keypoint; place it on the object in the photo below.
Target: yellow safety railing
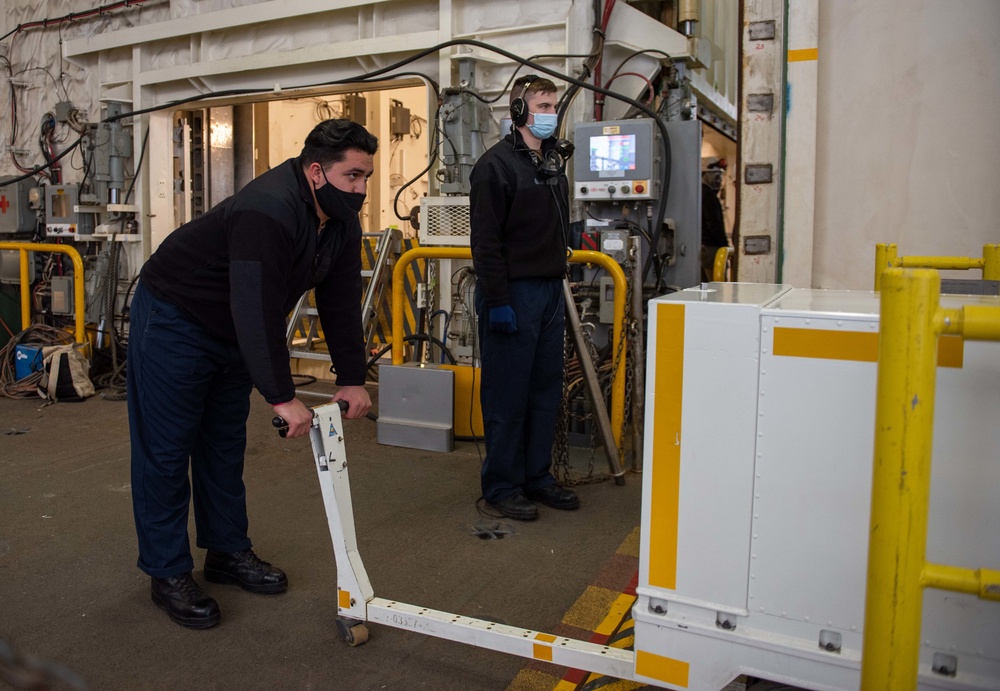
(910, 323)
(578, 257)
(24, 249)
(886, 257)
(721, 263)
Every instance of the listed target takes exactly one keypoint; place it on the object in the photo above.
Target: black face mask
(336, 203)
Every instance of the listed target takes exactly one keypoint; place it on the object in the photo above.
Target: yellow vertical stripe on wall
(666, 467)
(857, 346)
(662, 668)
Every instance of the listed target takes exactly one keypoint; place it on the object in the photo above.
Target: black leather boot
(245, 569)
(185, 602)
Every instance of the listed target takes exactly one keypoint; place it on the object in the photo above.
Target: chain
(560, 445)
(573, 379)
(633, 327)
(27, 672)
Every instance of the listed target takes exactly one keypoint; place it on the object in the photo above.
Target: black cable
(370, 76)
(414, 337)
(39, 169)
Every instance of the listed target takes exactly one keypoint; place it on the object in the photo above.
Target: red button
(639, 189)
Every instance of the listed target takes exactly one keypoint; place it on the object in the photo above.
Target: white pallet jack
(357, 604)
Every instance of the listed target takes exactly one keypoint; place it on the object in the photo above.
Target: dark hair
(329, 141)
(531, 84)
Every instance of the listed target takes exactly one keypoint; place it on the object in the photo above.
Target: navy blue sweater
(239, 270)
(518, 225)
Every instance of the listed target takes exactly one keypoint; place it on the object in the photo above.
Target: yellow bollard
(904, 419)
(991, 262)
(885, 258)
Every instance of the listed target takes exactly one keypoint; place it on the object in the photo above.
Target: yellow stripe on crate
(543, 652)
(344, 599)
(803, 55)
(856, 346)
(666, 472)
(662, 668)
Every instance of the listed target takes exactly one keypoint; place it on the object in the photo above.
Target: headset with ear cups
(519, 106)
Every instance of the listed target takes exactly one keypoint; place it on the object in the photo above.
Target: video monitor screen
(612, 152)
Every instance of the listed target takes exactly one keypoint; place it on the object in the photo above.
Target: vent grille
(444, 221)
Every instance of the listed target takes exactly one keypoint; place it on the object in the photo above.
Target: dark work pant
(521, 389)
(188, 403)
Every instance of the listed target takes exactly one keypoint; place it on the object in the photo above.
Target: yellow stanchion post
(576, 256)
(991, 262)
(904, 419)
(24, 250)
(719, 264)
(886, 257)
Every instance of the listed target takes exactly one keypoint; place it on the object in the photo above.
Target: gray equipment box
(16, 216)
(416, 407)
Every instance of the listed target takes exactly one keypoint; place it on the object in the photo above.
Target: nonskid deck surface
(70, 592)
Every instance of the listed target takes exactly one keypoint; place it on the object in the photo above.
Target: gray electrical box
(16, 216)
(399, 121)
(62, 295)
(10, 267)
(614, 243)
(355, 109)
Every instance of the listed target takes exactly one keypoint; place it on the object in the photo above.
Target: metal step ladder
(302, 334)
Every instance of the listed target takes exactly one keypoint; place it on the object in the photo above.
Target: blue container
(27, 359)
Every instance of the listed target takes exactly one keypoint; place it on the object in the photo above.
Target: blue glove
(502, 319)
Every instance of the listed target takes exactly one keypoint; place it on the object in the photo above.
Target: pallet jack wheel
(353, 632)
(356, 635)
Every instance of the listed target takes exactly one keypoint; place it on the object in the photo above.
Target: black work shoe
(556, 497)
(516, 507)
(184, 601)
(245, 569)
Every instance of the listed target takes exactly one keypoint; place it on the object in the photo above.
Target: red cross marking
(4, 204)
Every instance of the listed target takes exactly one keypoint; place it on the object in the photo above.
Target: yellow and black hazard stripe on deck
(416, 273)
(602, 615)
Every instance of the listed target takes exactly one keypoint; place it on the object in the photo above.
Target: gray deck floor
(70, 592)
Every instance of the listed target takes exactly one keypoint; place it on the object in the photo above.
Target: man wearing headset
(519, 205)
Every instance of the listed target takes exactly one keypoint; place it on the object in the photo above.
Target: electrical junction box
(16, 215)
(61, 216)
(758, 452)
(10, 267)
(399, 121)
(62, 295)
(614, 243)
(606, 304)
(27, 360)
(355, 109)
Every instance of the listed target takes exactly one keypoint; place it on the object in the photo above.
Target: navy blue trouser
(188, 403)
(521, 388)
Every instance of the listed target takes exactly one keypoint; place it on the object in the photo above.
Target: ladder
(302, 334)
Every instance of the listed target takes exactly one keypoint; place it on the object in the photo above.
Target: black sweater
(518, 225)
(239, 270)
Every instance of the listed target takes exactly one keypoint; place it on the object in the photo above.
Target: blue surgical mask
(545, 125)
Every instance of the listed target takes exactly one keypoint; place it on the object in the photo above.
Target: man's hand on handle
(293, 419)
(358, 399)
(296, 416)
